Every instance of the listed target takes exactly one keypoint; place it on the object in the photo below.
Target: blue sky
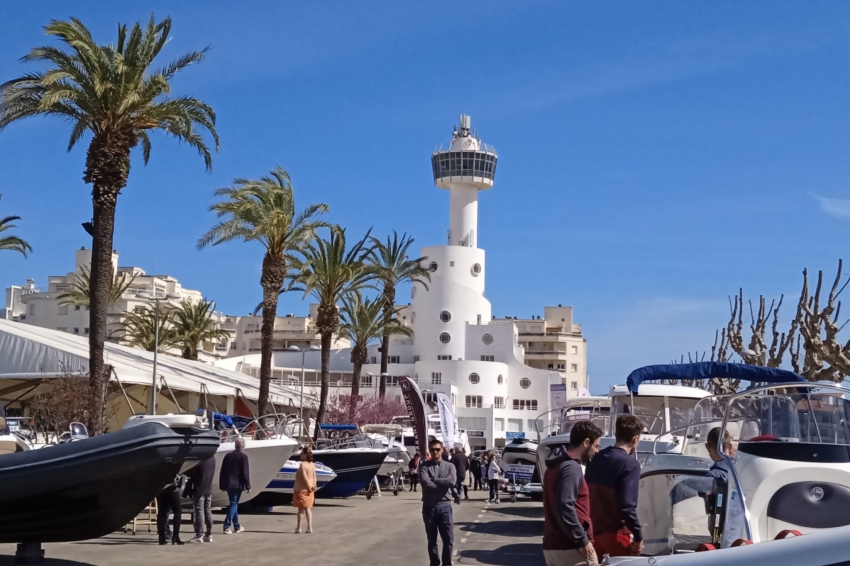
(654, 156)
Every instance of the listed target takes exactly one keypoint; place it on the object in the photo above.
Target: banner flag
(416, 409)
(447, 420)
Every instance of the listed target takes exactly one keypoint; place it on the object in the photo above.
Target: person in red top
(613, 479)
(567, 527)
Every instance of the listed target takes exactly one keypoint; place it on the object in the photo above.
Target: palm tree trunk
(385, 353)
(389, 303)
(273, 275)
(107, 168)
(355, 389)
(101, 281)
(326, 381)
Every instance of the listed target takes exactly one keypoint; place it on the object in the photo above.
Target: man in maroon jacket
(567, 528)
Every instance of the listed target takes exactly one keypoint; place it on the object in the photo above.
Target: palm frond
(13, 243)
(79, 294)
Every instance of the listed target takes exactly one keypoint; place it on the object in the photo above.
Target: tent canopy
(31, 352)
(709, 370)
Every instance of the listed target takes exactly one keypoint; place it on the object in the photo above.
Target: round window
(433, 266)
(445, 337)
(487, 339)
(474, 378)
(445, 316)
(476, 269)
(500, 380)
(525, 383)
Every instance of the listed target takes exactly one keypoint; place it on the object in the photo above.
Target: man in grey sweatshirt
(437, 478)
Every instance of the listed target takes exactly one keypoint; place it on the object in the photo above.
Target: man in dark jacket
(475, 472)
(567, 528)
(461, 463)
(437, 478)
(234, 479)
(200, 485)
(613, 478)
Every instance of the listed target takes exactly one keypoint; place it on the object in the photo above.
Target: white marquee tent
(31, 353)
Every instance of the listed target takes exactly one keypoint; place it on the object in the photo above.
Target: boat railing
(272, 425)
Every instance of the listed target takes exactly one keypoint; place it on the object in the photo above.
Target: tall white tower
(455, 295)
(468, 166)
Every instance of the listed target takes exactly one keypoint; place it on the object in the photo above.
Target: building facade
(499, 374)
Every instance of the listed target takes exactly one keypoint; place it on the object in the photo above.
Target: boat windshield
(799, 415)
(653, 412)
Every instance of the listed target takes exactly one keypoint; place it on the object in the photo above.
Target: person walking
(461, 464)
(167, 501)
(567, 527)
(413, 471)
(493, 474)
(234, 479)
(475, 472)
(613, 480)
(438, 478)
(200, 485)
(304, 490)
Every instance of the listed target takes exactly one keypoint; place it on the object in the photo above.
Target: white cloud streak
(837, 207)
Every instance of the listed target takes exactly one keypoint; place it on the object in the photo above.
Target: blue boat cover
(339, 427)
(709, 370)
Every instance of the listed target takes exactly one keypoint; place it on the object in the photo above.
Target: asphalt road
(385, 531)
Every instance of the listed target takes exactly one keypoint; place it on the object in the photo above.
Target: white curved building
(458, 348)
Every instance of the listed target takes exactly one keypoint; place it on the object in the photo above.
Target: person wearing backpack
(493, 474)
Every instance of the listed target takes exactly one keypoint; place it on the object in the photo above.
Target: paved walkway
(385, 531)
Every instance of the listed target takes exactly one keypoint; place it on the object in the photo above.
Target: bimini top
(338, 427)
(709, 370)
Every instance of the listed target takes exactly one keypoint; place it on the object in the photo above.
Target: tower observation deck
(467, 167)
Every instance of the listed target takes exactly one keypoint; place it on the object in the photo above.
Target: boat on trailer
(279, 490)
(354, 458)
(78, 490)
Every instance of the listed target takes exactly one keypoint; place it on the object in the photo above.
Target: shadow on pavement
(508, 555)
(505, 528)
(527, 512)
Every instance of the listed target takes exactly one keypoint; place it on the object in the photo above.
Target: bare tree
(825, 357)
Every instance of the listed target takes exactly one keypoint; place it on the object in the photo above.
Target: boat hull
(265, 458)
(89, 488)
(279, 490)
(354, 467)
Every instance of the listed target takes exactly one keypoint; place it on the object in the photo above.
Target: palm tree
(112, 92)
(12, 242)
(363, 321)
(79, 294)
(329, 271)
(394, 267)
(264, 211)
(194, 324)
(138, 329)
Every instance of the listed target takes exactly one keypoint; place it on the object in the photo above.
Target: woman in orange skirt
(304, 490)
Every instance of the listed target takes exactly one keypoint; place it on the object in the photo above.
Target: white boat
(11, 440)
(391, 436)
(661, 407)
(266, 455)
(790, 472)
(824, 548)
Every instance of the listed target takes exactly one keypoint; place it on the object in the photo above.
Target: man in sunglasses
(437, 478)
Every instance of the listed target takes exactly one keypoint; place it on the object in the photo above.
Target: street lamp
(156, 299)
(294, 348)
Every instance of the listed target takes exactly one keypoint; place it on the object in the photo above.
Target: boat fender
(742, 542)
(705, 547)
(787, 533)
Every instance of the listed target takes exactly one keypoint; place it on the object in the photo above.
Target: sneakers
(239, 529)
(197, 538)
(208, 538)
(228, 532)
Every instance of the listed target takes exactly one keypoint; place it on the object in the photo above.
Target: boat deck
(385, 531)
